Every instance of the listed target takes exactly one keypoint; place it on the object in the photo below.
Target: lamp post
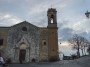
(87, 14)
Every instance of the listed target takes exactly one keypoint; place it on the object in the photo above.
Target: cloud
(69, 14)
(8, 20)
(81, 25)
(65, 34)
(6, 16)
(68, 27)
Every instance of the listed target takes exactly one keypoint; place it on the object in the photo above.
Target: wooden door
(22, 54)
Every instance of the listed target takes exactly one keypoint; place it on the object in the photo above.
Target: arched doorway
(22, 53)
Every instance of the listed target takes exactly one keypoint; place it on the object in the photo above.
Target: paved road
(82, 62)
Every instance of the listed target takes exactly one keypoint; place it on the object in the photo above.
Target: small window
(53, 50)
(1, 42)
(44, 42)
(24, 29)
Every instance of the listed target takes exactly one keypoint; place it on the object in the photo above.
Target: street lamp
(87, 14)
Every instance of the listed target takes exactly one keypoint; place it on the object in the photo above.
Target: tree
(85, 43)
(88, 50)
(78, 42)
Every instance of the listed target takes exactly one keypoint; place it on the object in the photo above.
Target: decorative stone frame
(25, 44)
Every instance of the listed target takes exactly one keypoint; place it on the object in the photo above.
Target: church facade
(27, 43)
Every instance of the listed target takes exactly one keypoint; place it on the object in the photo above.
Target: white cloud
(8, 20)
(7, 16)
(80, 24)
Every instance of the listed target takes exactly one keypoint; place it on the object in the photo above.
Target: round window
(24, 29)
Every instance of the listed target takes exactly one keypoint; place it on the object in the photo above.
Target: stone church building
(27, 43)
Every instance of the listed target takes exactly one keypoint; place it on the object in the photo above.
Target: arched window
(44, 42)
(52, 19)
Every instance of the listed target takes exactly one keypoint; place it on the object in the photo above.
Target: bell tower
(53, 54)
(52, 18)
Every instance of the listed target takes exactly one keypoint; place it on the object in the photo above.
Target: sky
(71, 17)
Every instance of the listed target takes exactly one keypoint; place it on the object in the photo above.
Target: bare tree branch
(78, 42)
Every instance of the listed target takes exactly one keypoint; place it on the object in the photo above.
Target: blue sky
(71, 17)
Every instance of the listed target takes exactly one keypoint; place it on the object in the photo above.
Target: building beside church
(27, 43)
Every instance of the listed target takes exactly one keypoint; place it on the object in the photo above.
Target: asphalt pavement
(81, 62)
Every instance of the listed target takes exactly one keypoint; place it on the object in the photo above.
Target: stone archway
(22, 47)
